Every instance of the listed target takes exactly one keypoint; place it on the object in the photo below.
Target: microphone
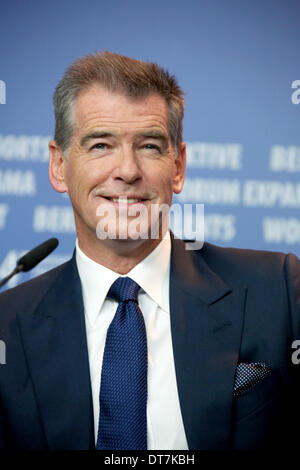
(32, 258)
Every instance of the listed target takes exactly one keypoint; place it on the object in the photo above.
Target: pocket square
(248, 375)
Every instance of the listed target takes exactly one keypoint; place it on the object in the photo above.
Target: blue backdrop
(238, 62)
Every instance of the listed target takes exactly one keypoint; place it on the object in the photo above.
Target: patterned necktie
(123, 393)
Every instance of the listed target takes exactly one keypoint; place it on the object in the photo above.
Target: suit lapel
(56, 350)
(206, 323)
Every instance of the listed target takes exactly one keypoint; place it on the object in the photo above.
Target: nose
(127, 167)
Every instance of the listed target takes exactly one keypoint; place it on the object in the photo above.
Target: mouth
(125, 200)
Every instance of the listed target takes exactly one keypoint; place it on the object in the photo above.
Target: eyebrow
(95, 135)
(151, 133)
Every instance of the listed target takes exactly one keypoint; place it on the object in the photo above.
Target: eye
(152, 147)
(100, 146)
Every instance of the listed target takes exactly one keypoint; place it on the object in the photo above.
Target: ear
(57, 168)
(180, 164)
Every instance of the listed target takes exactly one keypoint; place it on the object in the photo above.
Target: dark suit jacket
(227, 306)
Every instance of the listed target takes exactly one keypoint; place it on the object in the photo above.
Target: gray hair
(116, 73)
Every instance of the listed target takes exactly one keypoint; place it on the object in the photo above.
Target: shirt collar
(152, 274)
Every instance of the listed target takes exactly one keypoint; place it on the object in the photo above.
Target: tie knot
(123, 289)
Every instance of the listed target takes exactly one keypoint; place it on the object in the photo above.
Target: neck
(118, 255)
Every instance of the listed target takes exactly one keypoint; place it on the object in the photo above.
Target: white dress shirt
(164, 421)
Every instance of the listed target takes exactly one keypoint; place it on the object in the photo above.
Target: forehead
(98, 107)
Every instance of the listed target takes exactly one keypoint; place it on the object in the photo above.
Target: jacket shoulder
(247, 264)
(30, 293)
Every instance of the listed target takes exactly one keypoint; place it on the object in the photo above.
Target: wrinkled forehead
(97, 106)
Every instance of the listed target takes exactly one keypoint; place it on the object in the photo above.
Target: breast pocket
(258, 396)
(256, 412)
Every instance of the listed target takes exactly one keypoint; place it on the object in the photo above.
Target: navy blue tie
(123, 392)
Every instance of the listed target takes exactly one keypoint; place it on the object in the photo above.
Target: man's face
(120, 148)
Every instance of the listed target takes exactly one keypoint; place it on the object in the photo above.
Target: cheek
(163, 183)
(160, 172)
(82, 179)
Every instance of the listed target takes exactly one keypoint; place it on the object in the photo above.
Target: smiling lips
(124, 199)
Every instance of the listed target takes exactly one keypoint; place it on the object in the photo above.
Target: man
(205, 355)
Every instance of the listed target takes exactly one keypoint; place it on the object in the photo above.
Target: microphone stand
(15, 271)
